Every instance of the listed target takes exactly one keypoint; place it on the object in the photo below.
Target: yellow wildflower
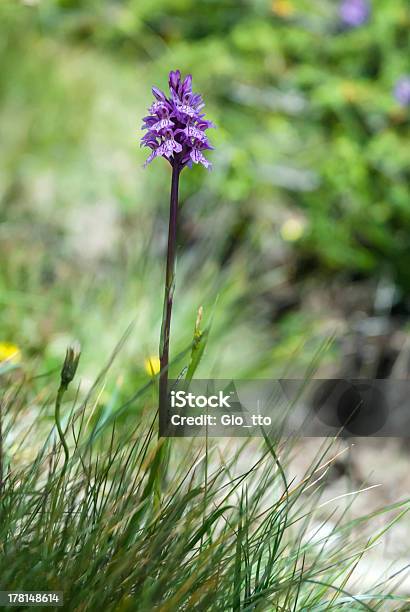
(283, 8)
(292, 229)
(152, 365)
(9, 352)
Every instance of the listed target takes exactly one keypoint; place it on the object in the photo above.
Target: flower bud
(71, 360)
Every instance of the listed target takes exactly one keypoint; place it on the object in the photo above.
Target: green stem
(168, 299)
(62, 389)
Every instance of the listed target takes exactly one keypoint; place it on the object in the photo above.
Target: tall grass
(119, 528)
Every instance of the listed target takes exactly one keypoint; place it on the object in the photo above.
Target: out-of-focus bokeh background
(301, 230)
(300, 233)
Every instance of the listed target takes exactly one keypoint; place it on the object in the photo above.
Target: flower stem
(168, 298)
(62, 389)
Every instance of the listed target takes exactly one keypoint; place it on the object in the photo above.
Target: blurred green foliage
(310, 180)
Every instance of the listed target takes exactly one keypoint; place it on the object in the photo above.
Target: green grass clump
(130, 523)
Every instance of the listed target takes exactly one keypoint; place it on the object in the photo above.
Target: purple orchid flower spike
(176, 130)
(176, 126)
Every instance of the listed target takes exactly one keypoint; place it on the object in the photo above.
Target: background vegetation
(309, 184)
(300, 232)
